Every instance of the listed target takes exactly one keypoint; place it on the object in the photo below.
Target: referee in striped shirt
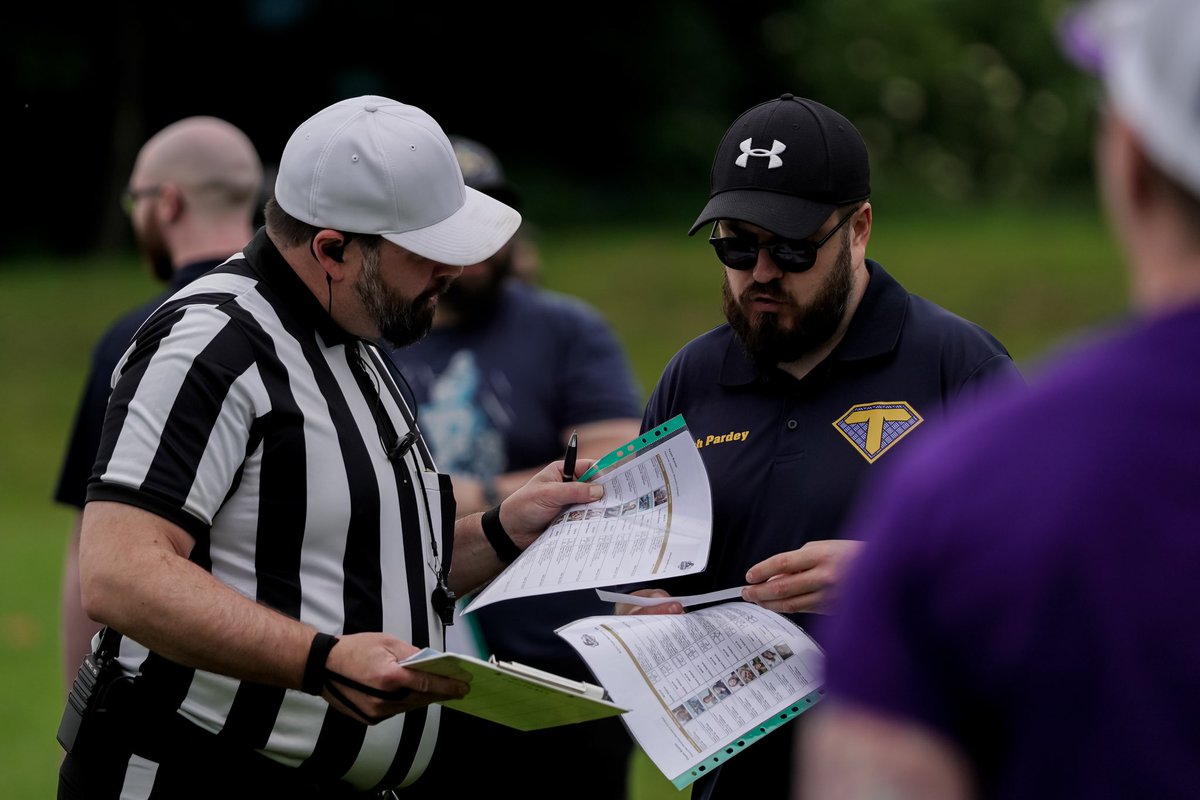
(266, 535)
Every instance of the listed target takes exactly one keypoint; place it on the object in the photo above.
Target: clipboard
(516, 695)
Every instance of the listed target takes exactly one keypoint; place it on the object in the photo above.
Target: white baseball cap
(373, 165)
(1147, 53)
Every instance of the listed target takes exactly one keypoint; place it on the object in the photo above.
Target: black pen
(569, 459)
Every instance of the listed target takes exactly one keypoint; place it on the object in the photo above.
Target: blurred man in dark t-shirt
(508, 372)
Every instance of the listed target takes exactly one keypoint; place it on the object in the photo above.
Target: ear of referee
(266, 536)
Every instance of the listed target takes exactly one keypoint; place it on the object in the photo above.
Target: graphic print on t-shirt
(461, 420)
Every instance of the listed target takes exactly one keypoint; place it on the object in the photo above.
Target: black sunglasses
(790, 255)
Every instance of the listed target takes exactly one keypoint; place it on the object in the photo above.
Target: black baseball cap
(785, 165)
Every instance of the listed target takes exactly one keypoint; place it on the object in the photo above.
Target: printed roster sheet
(654, 522)
(704, 685)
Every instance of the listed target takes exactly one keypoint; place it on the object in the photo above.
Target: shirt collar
(189, 272)
(274, 270)
(874, 330)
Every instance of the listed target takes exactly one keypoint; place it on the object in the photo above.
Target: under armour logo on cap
(777, 147)
(826, 167)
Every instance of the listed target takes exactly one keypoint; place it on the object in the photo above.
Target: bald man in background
(192, 196)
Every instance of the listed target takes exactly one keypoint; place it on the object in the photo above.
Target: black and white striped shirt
(243, 414)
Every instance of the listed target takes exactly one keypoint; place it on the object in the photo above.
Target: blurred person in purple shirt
(1021, 624)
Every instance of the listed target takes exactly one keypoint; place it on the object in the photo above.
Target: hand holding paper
(654, 521)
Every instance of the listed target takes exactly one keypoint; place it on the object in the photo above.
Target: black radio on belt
(85, 699)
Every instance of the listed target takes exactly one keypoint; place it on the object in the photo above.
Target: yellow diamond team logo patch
(874, 427)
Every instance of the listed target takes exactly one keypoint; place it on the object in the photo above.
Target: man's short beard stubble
(150, 241)
(812, 324)
(400, 322)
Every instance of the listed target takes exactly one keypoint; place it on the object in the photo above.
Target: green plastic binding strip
(748, 738)
(647, 439)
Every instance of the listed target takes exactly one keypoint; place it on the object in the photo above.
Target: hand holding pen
(569, 459)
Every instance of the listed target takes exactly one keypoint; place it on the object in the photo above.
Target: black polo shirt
(786, 459)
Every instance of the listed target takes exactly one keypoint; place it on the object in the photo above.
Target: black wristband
(497, 537)
(314, 668)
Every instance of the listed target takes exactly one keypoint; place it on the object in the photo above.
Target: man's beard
(812, 324)
(400, 322)
(150, 241)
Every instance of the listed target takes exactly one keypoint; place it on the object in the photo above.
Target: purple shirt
(1029, 587)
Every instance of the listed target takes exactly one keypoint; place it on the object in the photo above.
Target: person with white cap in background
(1022, 622)
(266, 536)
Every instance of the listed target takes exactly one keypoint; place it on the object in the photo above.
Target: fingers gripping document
(654, 521)
(693, 689)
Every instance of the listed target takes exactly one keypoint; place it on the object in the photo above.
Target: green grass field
(1034, 278)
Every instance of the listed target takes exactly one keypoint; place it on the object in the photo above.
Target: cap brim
(505, 193)
(783, 215)
(474, 233)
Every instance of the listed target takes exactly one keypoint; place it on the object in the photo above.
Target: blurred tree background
(600, 113)
(605, 116)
